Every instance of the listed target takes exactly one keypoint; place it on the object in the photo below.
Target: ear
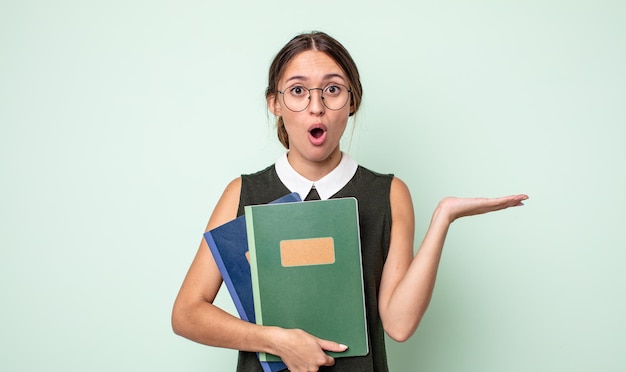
(273, 105)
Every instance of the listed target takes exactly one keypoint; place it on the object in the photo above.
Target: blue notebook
(229, 244)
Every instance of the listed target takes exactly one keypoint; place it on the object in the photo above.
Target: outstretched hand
(455, 208)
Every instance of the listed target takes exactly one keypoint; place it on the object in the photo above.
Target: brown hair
(318, 41)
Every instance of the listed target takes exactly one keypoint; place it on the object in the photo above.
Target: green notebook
(305, 259)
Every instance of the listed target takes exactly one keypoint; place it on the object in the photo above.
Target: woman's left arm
(408, 281)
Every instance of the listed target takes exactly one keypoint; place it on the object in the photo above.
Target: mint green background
(122, 121)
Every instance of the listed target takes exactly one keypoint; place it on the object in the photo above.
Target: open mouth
(317, 132)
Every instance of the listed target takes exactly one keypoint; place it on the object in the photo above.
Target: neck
(315, 170)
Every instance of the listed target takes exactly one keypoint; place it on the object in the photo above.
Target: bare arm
(195, 317)
(408, 281)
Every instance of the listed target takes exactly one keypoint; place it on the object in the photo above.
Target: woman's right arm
(195, 317)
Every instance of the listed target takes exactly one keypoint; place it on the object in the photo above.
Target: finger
(518, 200)
(330, 361)
(332, 346)
(511, 200)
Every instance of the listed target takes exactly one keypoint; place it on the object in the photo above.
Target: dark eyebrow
(326, 77)
(329, 76)
(297, 77)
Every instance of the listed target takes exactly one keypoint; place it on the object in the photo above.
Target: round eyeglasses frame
(322, 90)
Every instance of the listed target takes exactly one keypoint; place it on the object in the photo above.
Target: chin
(323, 155)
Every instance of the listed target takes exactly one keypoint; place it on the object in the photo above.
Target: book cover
(229, 244)
(305, 260)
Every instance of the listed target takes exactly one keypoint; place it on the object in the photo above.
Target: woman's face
(315, 132)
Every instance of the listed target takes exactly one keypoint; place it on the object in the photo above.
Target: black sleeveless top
(372, 192)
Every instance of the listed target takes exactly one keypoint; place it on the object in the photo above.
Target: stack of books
(295, 264)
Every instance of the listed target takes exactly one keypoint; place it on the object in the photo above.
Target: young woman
(313, 89)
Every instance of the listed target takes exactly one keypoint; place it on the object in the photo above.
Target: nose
(316, 101)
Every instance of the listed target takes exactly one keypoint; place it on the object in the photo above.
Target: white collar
(326, 187)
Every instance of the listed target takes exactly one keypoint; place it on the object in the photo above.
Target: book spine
(253, 265)
(258, 314)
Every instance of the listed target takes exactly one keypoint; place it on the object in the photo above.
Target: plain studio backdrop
(122, 122)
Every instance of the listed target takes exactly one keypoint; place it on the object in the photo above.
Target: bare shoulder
(402, 213)
(226, 207)
(399, 193)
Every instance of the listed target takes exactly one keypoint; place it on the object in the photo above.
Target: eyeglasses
(334, 96)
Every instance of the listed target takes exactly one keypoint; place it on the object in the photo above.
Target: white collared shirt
(326, 187)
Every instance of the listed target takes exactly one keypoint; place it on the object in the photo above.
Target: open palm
(461, 207)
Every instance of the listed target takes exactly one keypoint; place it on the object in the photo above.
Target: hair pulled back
(318, 41)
